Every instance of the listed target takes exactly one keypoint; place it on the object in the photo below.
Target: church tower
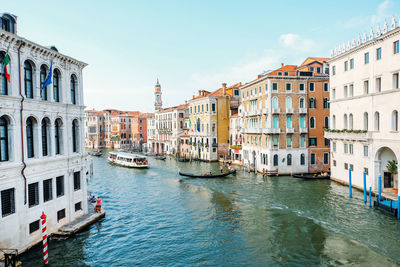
(157, 94)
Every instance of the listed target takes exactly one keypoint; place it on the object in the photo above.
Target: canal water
(157, 218)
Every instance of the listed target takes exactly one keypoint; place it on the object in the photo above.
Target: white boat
(128, 159)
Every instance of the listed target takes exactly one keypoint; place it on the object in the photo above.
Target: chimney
(282, 65)
(193, 97)
(224, 88)
(199, 92)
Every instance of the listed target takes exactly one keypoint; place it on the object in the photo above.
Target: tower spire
(157, 94)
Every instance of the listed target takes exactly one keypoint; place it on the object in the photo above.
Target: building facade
(43, 163)
(364, 130)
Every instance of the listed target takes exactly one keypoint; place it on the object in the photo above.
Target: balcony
(289, 130)
(289, 111)
(271, 130)
(350, 135)
(276, 110)
(252, 130)
(264, 111)
(303, 130)
(302, 110)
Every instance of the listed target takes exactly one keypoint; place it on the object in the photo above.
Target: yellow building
(209, 123)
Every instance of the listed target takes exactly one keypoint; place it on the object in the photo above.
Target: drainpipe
(22, 121)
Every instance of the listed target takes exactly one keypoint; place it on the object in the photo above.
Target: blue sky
(189, 45)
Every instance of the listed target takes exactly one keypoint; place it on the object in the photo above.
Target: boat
(128, 160)
(150, 154)
(96, 153)
(160, 157)
(210, 175)
(311, 176)
(183, 160)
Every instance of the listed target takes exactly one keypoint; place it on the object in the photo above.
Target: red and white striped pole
(44, 235)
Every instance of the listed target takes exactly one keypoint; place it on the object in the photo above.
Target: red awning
(238, 140)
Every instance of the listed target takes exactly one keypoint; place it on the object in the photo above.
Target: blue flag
(49, 75)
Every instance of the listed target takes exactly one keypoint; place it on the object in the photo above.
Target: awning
(238, 140)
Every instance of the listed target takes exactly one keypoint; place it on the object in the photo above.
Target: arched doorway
(382, 157)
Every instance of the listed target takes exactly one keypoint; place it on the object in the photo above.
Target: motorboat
(128, 160)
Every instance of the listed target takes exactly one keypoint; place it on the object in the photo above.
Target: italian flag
(6, 60)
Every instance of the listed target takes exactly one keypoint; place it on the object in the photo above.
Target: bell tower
(157, 94)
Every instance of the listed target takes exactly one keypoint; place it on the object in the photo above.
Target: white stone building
(42, 156)
(365, 108)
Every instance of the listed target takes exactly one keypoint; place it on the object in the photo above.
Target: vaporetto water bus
(128, 160)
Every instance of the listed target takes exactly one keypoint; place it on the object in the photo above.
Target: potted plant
(391, 167)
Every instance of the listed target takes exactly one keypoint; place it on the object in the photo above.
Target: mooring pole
(398, 207)
(379, 188)
(370, 196)
(44, 236)
(350, 190)
(365, 187)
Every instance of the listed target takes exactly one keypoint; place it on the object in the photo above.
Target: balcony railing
(289, 110)
(276, 110)
(302, 110)
(271, 130)
(290, 130)
(303, 130)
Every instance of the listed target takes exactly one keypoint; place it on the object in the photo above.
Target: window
(365, 151)
(326, 122)
(396, 81)
(274, 86)
(60, 214)
(351, 90)
(280, 73)
(275, 142)
(34, 226)
(57, 136)
(56, 86)
(326, 87)
(3, 78)
(366, 171)
(334, 163)
(345, 121)
(395, 120)
(396, 47)
(275, 102)
(346, 66)
(326, 102)
(7, 202)
(73, 89)
(275, 160)
(378, 85)
(286, 73)
(333, 93)
(77, 181)
(60, 186)
(78, 206)
(4, 153)
(312, 158)
(313, 103)
(379, 53)
(351, 149)
(288, 87)
(312, 69)
(352, 63)
(289, 141)
(275, 122)
(301, 103)
(33, 194)
(302, 141)
(318, 69)
(377, 121)
(302, 122)
(288, 102)
(366, 58)
(301, 87)
(28, 79)
(365, 121)
(346, 148)
(346, 166)
(29, 137)
(302, 159)
(327, 142)
(366, 87)
(351, 167)
(47, 190)
(289, 159)
(45, 150)
(312, 87)
(75, 136)
(213, 107)
(312, 141)
(312, 122)
(345, 91)
(326, 158)
(351, 121)
(334, 146)
(43, 90)
(333, 70)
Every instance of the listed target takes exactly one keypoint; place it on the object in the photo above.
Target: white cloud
(382, 12)
(296, 42)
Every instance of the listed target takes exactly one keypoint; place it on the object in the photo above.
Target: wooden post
(365, 187)
(350, 189)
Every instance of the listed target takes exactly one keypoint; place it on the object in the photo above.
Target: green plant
(391, 166)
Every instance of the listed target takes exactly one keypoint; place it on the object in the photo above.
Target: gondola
(183, 160)
(219, 175)
(96, 154)
(311, 176)
(161, 157)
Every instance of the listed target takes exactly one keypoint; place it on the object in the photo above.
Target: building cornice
(365, 96)
(277, 77)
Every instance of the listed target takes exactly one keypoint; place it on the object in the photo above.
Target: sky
(189, 45)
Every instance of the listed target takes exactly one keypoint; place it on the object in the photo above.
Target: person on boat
(264, 173)
(221, 169)
(97, 208)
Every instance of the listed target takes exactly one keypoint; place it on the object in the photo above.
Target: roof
(310, 60)
(182, 106)
(291, 69)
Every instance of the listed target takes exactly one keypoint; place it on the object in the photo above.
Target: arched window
(275, 160)
(313, 103)
(288, 102)
(365, 121)
(57, 136)
(376, 126)
(288, 122)
(275, 102)
(73, 89)
(43, 90)
(312, 122)
(30, 134)
(326, 123)
(75, 136)
(4, 153)
(302, 103)
(28, 79)
(302, 122)
(289, 159)
(56, 86)
(275, 122)
(45, 137)
(351, 121)
(395, 120)
(345, 121)
(333, 122)
(302, 159)
(3, 78)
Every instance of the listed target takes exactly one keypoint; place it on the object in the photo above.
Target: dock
(79, 224)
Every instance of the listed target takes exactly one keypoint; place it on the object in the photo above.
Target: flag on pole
(6, 60)
(49, 75)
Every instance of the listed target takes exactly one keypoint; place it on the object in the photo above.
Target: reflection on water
(155, 217)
